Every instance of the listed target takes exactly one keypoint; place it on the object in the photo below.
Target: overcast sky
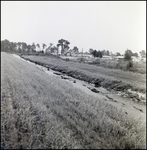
(109, 25)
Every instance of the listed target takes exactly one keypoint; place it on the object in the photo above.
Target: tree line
(96, 53)
(18, 47)
(22, 47)
(128, 54)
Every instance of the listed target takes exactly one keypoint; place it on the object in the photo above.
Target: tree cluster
(106, 52)
(96, 53)
(22, 47)
(117, 54)
(128, 54)
(143, 54)
(17, 47)
(65, 49)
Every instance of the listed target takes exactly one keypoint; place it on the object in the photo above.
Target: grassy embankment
(39, 111)
(115, 79)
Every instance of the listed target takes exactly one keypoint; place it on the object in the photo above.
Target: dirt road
(75, 111)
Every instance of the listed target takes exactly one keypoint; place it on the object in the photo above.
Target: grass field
(135, 65)
(109, 78)
(41, 111)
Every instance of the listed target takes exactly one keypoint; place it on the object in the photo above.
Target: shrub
(129, 65)
(81, 59)
(97, 61)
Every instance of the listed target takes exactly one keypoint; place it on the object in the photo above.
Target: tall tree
(29, 48)
(128, 55)
(53, 49)
(38, 45)
(107, 52)
(75, 49)
(43, 46)
(33, 47)
(100, 54)
(15, 47)
(50, 45)
(24, 47)
(64, 45)
(94, 53)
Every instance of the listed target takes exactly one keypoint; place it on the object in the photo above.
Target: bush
(97, 61)
(129, 65)
(81, 59)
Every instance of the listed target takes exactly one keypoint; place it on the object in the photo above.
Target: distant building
(136, 59)
(85, 55)
(107, 57)
(119, 57)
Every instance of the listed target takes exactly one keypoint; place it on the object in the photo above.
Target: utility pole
(82, 55)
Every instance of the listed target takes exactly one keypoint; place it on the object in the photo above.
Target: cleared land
(41, 111)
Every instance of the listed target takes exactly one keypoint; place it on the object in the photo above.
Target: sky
(111, 25)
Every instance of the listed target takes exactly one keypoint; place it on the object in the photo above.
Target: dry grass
(39, 111)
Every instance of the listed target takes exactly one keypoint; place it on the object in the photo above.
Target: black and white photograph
(73, 75)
